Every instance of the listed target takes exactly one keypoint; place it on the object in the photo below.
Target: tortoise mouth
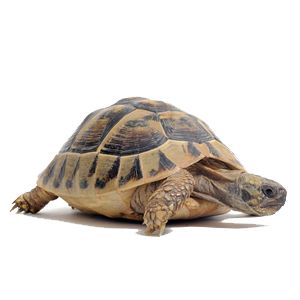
(277, 202)
(270, 207)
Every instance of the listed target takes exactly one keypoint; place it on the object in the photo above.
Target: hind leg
(33, 201)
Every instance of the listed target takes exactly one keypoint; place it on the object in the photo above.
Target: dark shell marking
(136, 136)
(91, 138)
(134, 173)
(49, 172)
(100, 184)
(67, 146)
(93, 167)
(61, 174)
(111, 174)
(164, 162)
(193, 150)
(83, 184)
(183, 127)
(69, 182)
(212, 150)
(113, 171)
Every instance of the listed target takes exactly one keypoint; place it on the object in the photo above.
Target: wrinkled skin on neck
(241, 191)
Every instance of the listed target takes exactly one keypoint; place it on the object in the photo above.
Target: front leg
(166, 200)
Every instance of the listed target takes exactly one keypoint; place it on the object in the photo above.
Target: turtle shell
(131, 143)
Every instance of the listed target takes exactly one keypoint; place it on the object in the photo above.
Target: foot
(166, 200)
(33, 201)
(21, 204)
(156, 217)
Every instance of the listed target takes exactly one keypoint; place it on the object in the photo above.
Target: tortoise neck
(224, 192)
(211, 190)
(216, 184)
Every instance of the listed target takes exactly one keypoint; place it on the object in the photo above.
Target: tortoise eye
(268, 191)
(246, 195)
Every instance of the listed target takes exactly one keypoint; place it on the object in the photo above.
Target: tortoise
(147, 160)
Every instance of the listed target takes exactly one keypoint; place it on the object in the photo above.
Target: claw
(155, 230)
(19, 210)
(14, 207)
(149, 231)
(162, 229)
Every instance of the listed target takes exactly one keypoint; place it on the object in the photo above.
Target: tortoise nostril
(269, 191)
(282, 191)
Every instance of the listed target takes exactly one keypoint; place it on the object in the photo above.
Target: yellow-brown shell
(133, 142)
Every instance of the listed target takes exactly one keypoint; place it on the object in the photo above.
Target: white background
(235, 64)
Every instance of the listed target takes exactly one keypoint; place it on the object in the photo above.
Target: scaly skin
(33, 201)
(164, 202)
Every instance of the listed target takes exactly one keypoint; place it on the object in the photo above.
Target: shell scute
(183, 127)
(107, 172)
(95, 128)
(139, 132)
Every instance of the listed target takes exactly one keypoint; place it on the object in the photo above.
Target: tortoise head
(256, 195)
(241, 191)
